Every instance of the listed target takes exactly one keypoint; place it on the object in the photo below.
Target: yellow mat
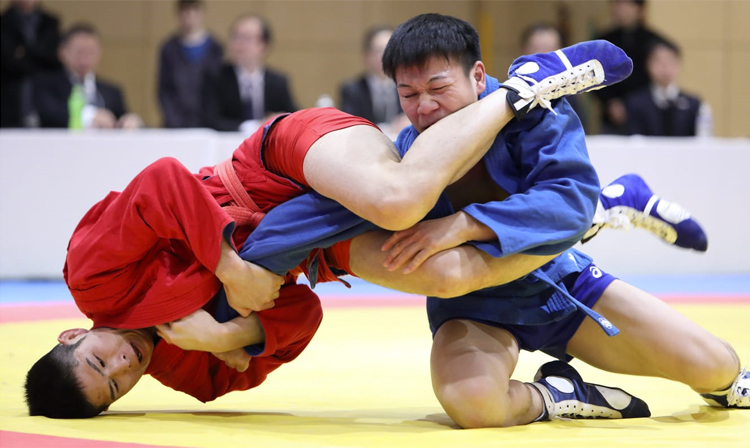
(364, 382)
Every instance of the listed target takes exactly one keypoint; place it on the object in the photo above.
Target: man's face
(626, 13)
(436, 89)
(542, 41)
(663, 66)
(81, 54)
(190, 19)
(246, 42)
(374, 55)
(110, 362)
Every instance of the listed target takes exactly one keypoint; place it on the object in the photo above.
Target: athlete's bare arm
(200, 331)
(359, 166)
(450, 273)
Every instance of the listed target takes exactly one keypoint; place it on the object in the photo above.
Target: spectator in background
(29, 38)
(187, 59)
(373, 96)
(544, 37)
(245, 91)
(630, 34)
(661, 108)
(57, 93)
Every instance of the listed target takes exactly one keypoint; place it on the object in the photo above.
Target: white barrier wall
(49, 179)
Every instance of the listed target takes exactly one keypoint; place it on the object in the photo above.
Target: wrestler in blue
(529, 201)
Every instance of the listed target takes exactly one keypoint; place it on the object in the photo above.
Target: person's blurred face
(190, 19)
(246, 42)
(436, 89)
(626, 13)
(81, 54)
(543, 41)
(374, 55)
(110, 362)
(663, 66)
(26, 5)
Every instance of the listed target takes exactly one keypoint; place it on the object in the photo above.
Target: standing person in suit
(373, 95)
(632, 35)
(662, 108)
(29, 42)
(245, 90)
(186, 59)
(104, 106)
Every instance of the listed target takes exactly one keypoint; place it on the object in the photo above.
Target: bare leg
(654, 340)
(471, 365)
(358, 166)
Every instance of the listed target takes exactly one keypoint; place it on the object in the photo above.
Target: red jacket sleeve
(289, 327)
(148, 255)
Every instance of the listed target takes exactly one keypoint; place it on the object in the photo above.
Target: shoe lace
(568, 83)
(739, 393)
(618, 221)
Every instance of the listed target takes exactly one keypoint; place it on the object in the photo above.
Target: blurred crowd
(49, 77)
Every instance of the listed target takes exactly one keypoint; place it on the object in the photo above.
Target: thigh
(469, 355)
(654, 339)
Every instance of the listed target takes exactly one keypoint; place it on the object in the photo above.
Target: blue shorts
(552, 337)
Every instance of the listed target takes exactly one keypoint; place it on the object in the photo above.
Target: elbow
(397, 209)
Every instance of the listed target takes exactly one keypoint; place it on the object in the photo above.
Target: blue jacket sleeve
(543, 163)
(289, 232)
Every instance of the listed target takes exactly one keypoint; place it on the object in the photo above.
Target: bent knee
(712, 365)
(475, 403)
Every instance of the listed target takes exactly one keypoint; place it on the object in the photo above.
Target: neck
(192, 36)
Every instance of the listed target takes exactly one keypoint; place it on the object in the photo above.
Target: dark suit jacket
(224, 111)
(19, 60)
(180, 89)
(51, 93)
(646, 118)
(357, 100)
(635, 43)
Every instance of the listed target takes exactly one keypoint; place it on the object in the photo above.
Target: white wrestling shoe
(735, 396)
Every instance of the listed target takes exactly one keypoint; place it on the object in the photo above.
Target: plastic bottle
(704, 124)
(325, 100)
(76, 103)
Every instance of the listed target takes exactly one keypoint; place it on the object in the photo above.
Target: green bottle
(76, 103)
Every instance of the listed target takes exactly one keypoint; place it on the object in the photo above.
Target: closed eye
(100, 360)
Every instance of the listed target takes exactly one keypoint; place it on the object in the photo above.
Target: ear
(478, 72)
(71, 336)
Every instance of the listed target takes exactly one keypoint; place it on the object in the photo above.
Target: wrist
(474, 230)
(229, 262)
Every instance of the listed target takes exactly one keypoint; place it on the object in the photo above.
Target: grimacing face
(110, 362)
(437, 88)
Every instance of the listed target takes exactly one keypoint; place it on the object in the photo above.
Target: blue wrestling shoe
(541, 78)
(565, 395)
(628, 201)
(735, 396)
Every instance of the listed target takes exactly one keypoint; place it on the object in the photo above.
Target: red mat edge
(12, 439)
(56, 311)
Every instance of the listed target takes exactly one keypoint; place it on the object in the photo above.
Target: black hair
(663, 42)
(428, 35)
(539, 27)
(189, 4)
(53, 389)
(265, 28)
(640, 3)
(76, 29)
(370, 36)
